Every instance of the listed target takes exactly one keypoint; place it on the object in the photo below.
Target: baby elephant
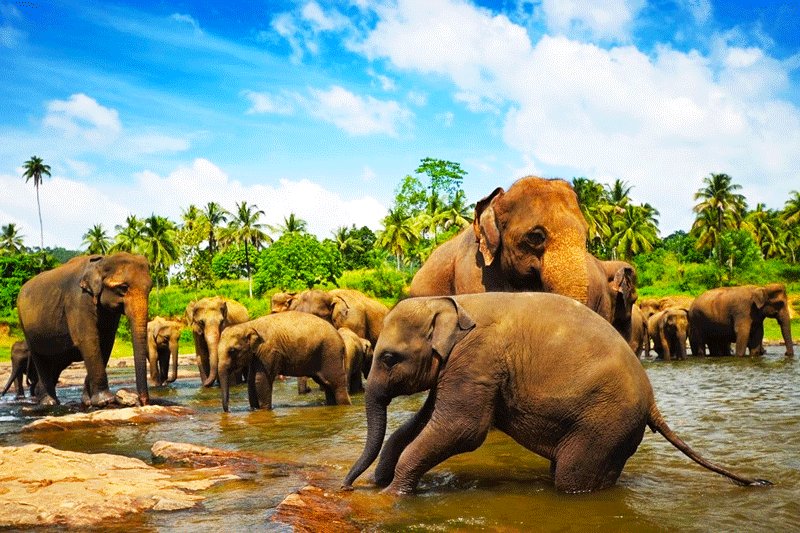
(510, 360)
(357, 350)
(21, 365)
(290, 344)
(669, 330)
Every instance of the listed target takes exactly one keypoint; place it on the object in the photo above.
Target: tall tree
(36, 169)
(11, 241)
(765, 226)
(158, 245)
(720, 209)
(618, 193)
(215, 216)
(96, 240)
(293, 224)
(245, 229)
(398, 235)
(635, 230)
(594, 206)
(446, 177)
(129, 236)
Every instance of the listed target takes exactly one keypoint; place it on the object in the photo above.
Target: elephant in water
(510, 361)
(208, 318)
(72, 312)
(21, 365)
(669, 330)
(162, 347)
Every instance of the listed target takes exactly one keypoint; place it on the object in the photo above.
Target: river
(741, 413)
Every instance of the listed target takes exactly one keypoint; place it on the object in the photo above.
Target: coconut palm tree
(618, 193)
(596, 210)
(36, 169)
(765, 226)
(293, 224)
(433, 217)
(345, 242)
(158, 245)
(96, 240)
(214, 216)
(720, 209)
(458, 213)
(130, 236)
(635, 230)
(791, 209)
(11, 242)
(398, 235)
(244, 228)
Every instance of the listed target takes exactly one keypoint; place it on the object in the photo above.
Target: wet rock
(314, 509)
(42, 486)
(130, 415)
(240, 463)
(127, 398)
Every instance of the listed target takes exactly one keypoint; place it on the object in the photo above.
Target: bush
(297, 261)
(15, 270)
(384, 283)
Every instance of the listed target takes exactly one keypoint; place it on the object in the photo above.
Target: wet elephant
(640, 336)
(669, 330)
(581, 401)
(290, 344)
(208, 318)
(21, 367)
(357, 351)
(162, 349)
(529, 238)
(736, 314)
(622, 281)
(72, 312)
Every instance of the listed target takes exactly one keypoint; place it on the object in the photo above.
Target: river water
(741, 413)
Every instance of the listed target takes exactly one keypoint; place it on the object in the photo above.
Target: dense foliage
(15, 270)
(297, 261)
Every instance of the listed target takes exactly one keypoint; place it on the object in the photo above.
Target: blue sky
(320, 108)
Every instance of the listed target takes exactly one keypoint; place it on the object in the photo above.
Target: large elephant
(507, 361)
(669, 330)
(721, 316)
(529, 238)
(290, 344)
(162, 348)
(72, 312)
(21, 366)
(208, 318)
(356, 351)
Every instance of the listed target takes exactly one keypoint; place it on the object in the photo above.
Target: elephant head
(121, 283)
(282, 301)
(537, 234)
(622, 286)
(675, 325)
(771, 302)
(237, 346)
(410, 352)
(208, 318)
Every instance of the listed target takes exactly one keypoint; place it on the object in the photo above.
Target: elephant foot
(102, 398)
(48, 401)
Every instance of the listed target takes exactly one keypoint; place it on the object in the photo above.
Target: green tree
(36, 169)
(594, 206)
(739, 251)
(720, 209)
(15, 270)
(398, 235)
(410, 196)
(214, 216)
(297, 261)
(246, 230)
(446, 177)
(765, 226)
(293, 224)
(96, 240)
(790, 216)
(618, 193)
(129, 237)
(158, 246)
(635, 230)
(11, 241)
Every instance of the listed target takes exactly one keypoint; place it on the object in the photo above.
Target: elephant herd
(557, 372)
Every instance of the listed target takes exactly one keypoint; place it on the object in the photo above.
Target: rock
(240, 463)
(313, 509)
(43, 486)
(104, 417)
(127, 398)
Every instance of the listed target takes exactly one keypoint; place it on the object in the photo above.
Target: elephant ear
(760, 297)
(190, 312)
(339, 311)
(624, 283)
(223, 309)
(92, 278)
(487, 234)
(450, 324)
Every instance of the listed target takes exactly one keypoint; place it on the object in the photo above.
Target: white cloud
(357, 115)
(80, 168)
(186, 19)
(661, 121)
(155, 143)
(268, 103)
(699, 9)
(81, 116)
(321, 21)
(596, 19)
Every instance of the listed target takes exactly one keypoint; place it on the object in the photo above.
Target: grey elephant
(208, 318)
(21, 367)
(356, 351)
(162, 348)
(622, 281)
(721, 316)
(507, 360)
(669, 330)
(290, 344)
(640, 336)
(71, 313)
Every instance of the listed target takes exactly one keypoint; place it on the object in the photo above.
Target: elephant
(651, 306)
(21, 365)
(640, 336)
(356, 351)
(721, 316)
(529, 238)
(162, 347)
(290, 344)
(208, 318)
(669, 329)
(72, 312)
(621, 280)
(281, 301)
(510, 361)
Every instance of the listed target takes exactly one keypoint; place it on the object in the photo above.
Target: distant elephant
(640, 336)
(162, 347)
(529, 238)
(290, 344)
(281, 301)
(505, 360)
(208, 318)
(356, 352)
(21, 365)
(72, 312)
(669, 329)
(651, 306)
(621, 279)
(721, 316)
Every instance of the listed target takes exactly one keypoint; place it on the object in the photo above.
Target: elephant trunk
(786, 331)
(173, 351)
(376, 431)
(564, 267)
(212, 341)
(224, 386)
(136, 312)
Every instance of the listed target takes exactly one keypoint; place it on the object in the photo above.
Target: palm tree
(96, 240)
(244, 228)
(345, 242)
(596, 210)
(214, 215)
(129, 237)
(635, 230)
(36, 169)
(458, 213)
(398, 234)
(292, 224)
(719, 210)
(791, 209)
(11, 242)
(158, 245)
(618, 193)
(765, 226)
(433, 217)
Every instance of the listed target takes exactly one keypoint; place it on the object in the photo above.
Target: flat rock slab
(106, 417)
(314, 509)
(42, 486)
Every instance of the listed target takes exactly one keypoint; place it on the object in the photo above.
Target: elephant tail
(657, 424)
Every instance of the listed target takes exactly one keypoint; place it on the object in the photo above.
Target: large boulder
(42, 486)
(107, 417)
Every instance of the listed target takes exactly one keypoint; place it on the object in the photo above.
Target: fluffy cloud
(268, 103)
(595, 19)
(355, 114)
(81, 116)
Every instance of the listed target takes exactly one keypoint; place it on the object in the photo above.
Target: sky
(321, 108)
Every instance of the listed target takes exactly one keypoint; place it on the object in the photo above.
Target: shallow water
(741, 413)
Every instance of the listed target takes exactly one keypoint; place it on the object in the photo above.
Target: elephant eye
(536, 237)
(390, 358)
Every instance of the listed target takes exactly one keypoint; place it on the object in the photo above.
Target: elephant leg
(665, 346)
(46, 390)
(585, 463)
(400, 439)
(163, 365)
(742, 329)
(302, 385)
(259, 385)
